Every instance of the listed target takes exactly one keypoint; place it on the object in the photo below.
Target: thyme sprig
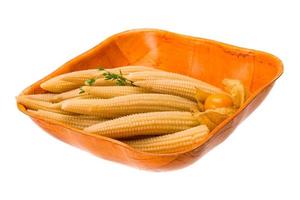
(81, 90)
(90, 81)
(119, 78)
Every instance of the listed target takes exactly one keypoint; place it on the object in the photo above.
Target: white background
(260, 160)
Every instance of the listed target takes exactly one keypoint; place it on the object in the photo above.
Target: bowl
(200, 58)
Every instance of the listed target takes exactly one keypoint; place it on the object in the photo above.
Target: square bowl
(208, 60)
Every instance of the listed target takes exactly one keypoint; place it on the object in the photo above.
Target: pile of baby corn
(149, 109)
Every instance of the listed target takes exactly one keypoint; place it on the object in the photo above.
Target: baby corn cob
(171, 143)
(176, 87)
(68, 95)
(152, 123)
(195, 90)
(104, 82)
(42, 97)
(81, 76)
(111, 91)
(56, 85)
(35, 104)
(203, 89)
(155, 75)
(72, 120)
(129, 104)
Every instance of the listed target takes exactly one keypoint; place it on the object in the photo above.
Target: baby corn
(152, 123)
(35, 104)
(188, 89)
(129, 104)
(42, 97)
(175, 87)
(68, 95)
(104, 82)
(158, 75)
(171, 143)
(72, 120)
(56, 85)
(112, 91)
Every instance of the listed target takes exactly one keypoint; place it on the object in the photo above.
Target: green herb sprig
(119, 78)
(90, 81)
(81, 90)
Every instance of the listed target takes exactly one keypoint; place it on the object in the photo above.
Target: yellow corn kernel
(77, 121)
(94, 117)
(129, 104)
(87, 96)
(35, 104)
(111, 91)
(152, 123)
(171, 143)
(237, 90)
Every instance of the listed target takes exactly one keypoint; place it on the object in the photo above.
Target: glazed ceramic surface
(204, 59)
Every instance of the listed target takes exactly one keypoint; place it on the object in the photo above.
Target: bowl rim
(279, 66)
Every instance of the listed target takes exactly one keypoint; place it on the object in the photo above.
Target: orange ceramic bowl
(207, 60)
